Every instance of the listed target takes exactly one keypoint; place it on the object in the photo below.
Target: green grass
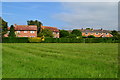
(60, 60)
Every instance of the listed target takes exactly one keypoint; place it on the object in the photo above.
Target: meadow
(59, 60)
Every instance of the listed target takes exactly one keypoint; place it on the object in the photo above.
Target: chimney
(15, 24)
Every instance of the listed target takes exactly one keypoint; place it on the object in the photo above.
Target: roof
(25, 27)
(93, 31)
(54, 29)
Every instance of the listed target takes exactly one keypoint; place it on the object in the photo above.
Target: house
(31, 30)
(53, 29)
(96, 32)
(24, 31)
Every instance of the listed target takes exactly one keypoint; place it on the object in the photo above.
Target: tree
(64, 33)
(76, 32)
(46, 33)
(3, 26)
(12, 32)
(115, 34)
(91, 36)
(72, 36)
(37, 23)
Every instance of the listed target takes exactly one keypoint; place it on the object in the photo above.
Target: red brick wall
(22, 34)
(97, 35)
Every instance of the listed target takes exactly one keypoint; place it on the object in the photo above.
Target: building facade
(96, 33)
(24, 31)
(31, 31)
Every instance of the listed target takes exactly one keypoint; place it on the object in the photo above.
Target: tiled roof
(54, 29)
(95, 31)
(25, 27)
(92, 31)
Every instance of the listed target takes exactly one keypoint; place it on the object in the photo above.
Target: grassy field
(58, 60)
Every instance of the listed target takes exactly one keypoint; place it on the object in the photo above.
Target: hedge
(62, 40)
(15, 40)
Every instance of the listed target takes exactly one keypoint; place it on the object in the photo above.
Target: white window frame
(25, 31)
(18, 31)
(32, 31)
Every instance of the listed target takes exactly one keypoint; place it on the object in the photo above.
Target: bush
(15, 40)
(35, 39)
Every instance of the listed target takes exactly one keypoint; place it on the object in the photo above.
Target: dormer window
(96, 33)
(106, 33)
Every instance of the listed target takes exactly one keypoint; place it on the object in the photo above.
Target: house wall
(24, 34)
(55, 34)
(97, 35)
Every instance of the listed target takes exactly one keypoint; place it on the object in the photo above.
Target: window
(32, 36)
(106, 33)
(96, 33)
(25, 31)
(8, 32)
(18, 31)
(32, 31)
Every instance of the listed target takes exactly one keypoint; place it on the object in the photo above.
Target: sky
(63, 15)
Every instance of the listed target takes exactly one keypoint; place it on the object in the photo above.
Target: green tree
(37, 23)
(3, 26)
(12, 32)
(64, 33)
(76, 32)
(72, 36)
(115, 34)
(91, 36)
(46, 33)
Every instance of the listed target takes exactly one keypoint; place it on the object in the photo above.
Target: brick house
(31, 31)
(53, 29)
(96, 33)
(24, 31)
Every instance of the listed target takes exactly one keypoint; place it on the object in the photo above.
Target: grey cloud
(89, 14)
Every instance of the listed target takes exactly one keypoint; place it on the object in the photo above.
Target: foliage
(76, 32)
(46, 33)
(64, 33)
(91, 36)
(40, 34)
(115, 34)
(15, 40)
(3, 26)
(59, 60)
(36, 39)
(72, 36)
(37, 23)
(12, 32)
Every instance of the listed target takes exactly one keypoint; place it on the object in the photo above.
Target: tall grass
(58, 60)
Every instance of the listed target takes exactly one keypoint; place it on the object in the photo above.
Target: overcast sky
(64, 15)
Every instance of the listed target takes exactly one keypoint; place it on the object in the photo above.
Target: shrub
(36, 39)
(15, 40)
(91, 36)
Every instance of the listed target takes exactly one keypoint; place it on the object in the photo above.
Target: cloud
(89, 14)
